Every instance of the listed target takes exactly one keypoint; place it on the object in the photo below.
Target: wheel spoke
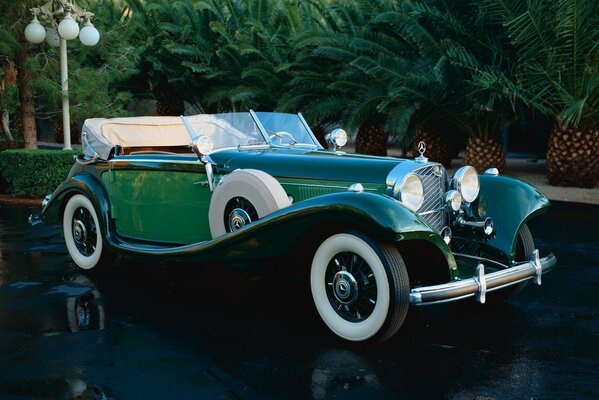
(351, 287)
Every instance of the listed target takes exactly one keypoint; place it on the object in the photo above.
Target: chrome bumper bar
(480, 284)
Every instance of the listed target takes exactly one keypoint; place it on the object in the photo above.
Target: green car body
(157, 205)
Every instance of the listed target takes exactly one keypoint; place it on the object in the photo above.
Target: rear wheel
(82, 233)
(361, 289)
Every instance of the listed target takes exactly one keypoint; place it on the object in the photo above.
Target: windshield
(242, 129)
(285, 129)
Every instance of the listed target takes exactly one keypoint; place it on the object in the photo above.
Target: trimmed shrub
(35, 173)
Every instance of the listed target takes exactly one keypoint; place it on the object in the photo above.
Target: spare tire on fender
(244, 196)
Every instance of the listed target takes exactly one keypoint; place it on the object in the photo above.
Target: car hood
(309, 164)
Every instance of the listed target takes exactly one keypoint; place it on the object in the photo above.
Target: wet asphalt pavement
(193, 331)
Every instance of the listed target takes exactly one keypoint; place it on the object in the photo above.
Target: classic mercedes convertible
(376, 235)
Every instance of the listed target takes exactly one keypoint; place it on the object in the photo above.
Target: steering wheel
(282, 135)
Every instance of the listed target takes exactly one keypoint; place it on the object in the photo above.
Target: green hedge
(35, 173)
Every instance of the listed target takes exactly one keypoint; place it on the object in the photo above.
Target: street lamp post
(63, 17)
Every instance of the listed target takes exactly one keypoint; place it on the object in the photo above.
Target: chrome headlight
(410, 191)
(466, 182)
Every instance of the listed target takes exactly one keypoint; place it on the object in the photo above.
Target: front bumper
(480, 284)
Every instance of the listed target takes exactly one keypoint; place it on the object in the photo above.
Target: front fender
(510, 202)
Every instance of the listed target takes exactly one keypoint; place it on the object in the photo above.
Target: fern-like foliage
(557, 44)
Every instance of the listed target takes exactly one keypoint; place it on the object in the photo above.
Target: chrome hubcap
(84, 232)
(238, 218)
(345, 287)
(79, 232)
(351, 286)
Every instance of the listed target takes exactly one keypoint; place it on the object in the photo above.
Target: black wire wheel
(360, 288)
(239, 212)
(82, 233)
(351, 287)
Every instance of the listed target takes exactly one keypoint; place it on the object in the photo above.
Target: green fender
(81, 183)
(510, 202)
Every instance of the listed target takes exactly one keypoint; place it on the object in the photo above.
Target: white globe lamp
(35, 32)
(52, 37)
(68, 28)
(89, 35)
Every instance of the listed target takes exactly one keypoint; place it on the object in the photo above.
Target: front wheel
(82, 233)
(361, 289)
(525, 245)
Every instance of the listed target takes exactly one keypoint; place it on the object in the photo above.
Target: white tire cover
(262, 190)
(354, 331)
(74, 203)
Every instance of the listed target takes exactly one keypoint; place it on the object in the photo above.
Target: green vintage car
(375, 234)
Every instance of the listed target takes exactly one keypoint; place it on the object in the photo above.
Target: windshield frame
(314, 145)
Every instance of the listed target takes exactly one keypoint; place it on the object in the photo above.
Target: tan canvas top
(103, 134)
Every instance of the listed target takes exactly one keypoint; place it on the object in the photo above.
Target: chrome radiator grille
(434, 180)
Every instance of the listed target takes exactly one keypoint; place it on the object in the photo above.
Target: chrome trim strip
(325, 186)
(431, 211)
(260, 127)
(480, 284)
(317, 143)
(153, 160)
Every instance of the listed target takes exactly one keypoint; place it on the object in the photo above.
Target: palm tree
(333, 77)
(251, 52)
(462, 65)
(175, 40)
(558, 57)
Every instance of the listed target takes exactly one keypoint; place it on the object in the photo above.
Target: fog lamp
(453, 200)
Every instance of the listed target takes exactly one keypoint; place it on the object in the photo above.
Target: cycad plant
(558, 57)
(463, 73)
(175, 41)
(336, 75)
(252, 50)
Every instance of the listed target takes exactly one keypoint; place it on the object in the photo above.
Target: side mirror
(337, 138)
(202, 146)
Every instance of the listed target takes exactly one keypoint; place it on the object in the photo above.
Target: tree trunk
(484, 153)
(319, 133)
(4, 126)
(372, 139)
(168, 101)
(438, 147)
(26, 96)
(573, 156)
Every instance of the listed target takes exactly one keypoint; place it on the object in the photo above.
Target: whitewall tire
(82, 232)
(360, 288)
(245, 195)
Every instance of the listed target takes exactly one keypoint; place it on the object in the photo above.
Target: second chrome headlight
(466, 182)
(410, 191)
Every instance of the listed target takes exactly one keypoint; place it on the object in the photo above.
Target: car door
(159, 198)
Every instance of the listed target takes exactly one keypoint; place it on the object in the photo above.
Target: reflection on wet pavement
(161, 330)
